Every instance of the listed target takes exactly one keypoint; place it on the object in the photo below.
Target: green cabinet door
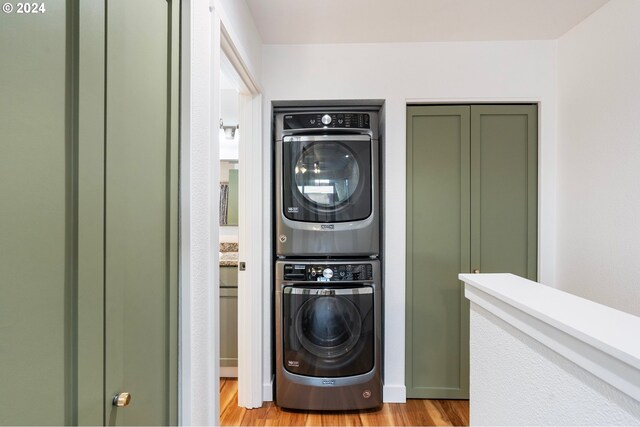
(228, 316)
(141, 154)
(471, 205)
(88, 213)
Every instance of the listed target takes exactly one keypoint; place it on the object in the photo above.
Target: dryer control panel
(328, 272)
(327, 120)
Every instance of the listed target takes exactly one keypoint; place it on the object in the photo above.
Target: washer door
(327, 179)
(328, 332)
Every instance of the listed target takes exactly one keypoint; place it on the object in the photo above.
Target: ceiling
(393, 21)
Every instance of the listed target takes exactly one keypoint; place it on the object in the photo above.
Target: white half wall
(475, 72)
(599, 157)
(520, 381)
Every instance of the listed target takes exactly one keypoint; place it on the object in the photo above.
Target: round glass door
(328, 327)
(326, 174)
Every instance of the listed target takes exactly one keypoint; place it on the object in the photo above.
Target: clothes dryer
(327, 184)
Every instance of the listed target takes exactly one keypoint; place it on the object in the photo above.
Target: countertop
(228, 254)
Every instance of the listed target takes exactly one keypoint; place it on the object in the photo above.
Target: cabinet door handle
(121, 400)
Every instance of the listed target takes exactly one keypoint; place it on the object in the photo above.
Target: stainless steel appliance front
(328, 334)
(327, 184)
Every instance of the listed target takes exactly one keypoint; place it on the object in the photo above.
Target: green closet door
(471, 205)
(504, 173)
(141, 211)
(438, 248)
(36, 221)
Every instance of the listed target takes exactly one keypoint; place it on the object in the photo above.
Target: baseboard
(228, 372)
(267, 391)
(394, 394)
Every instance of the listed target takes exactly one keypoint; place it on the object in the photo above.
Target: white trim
(235, 58)
(198, 402)
(267, 257)
(394, 393)
(267, 391)
(228, 372)
(231, 46)
(184, 267)
(250, 282)
(595, 337)
(214, 231)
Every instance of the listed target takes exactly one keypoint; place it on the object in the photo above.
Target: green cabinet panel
(471, 205)
(229, 327)
(228, 316)
(228, 276)
(37, 218)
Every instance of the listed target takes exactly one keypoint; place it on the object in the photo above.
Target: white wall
(238, 21)
(599, 157)
(428, 72)
(516, 380)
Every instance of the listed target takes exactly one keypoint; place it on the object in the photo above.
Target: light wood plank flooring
(415, 412)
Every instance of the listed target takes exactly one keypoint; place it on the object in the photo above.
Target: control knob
(327, 273)
(326, 119)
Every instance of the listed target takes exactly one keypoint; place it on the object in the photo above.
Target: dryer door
(328, 332)
(327, 178)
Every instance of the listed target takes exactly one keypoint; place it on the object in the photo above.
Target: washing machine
(327, 183)
(328, 334)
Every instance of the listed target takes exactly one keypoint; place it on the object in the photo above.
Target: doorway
(240, 231)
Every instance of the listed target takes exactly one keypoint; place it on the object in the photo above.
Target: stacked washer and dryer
(328, 289)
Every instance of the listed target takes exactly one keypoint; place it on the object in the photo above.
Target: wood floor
(415, 412)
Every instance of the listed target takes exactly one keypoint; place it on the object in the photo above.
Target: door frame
(206, 32)
(250, 211)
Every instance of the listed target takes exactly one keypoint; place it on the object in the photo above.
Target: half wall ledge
(595, 381)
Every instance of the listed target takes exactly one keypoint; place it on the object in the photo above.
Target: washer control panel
(328, 272)
(327, 120)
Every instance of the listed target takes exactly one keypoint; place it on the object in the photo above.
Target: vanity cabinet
(228, 318)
